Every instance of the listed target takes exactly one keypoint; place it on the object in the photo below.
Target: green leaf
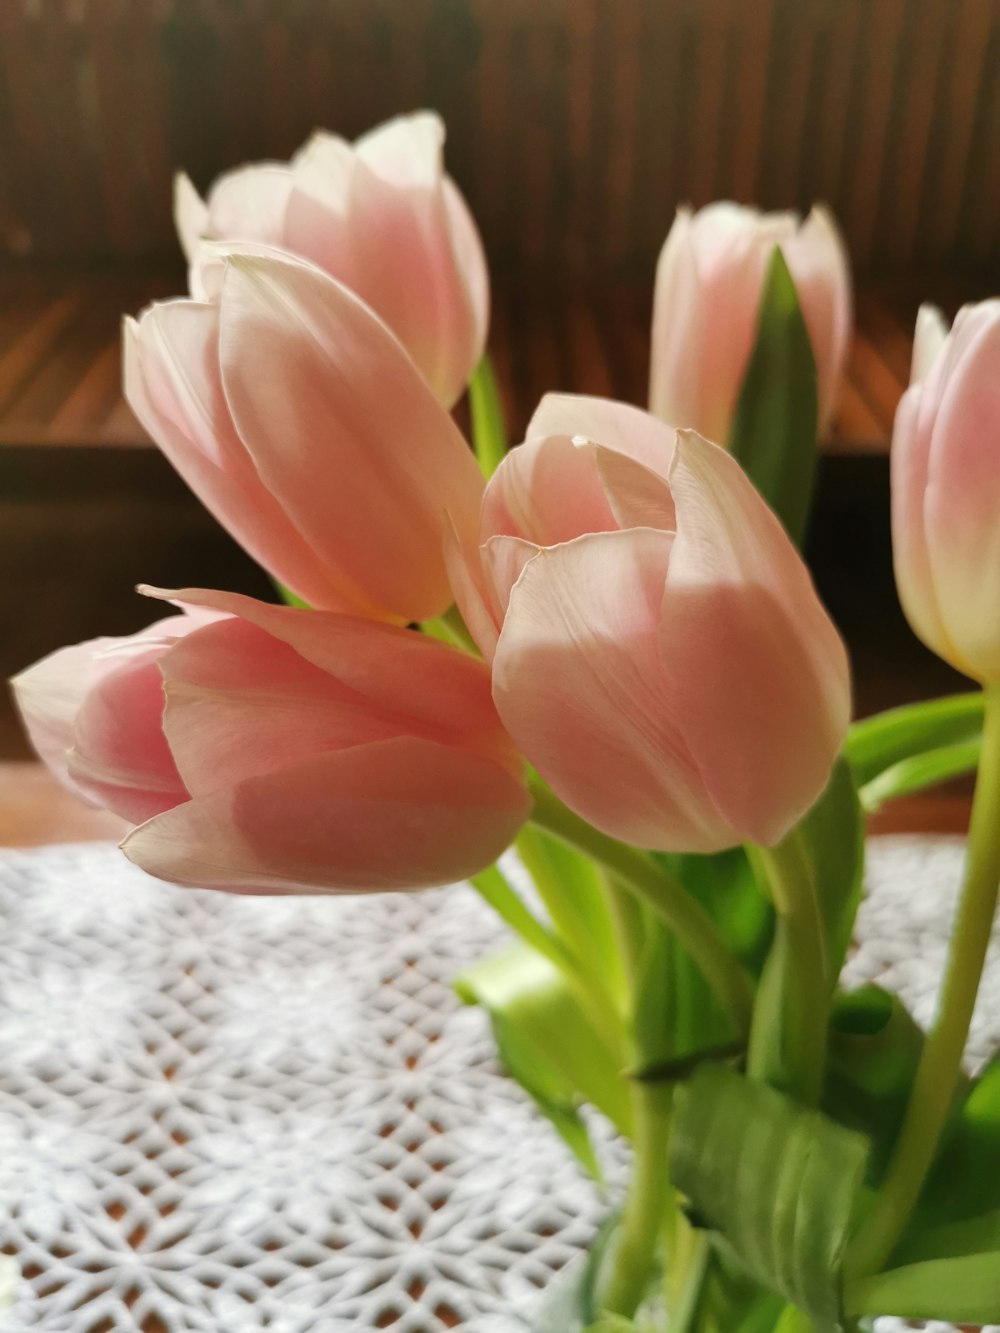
(921, 771)
(571, 888)
(965, 1180)
(973, 1235)
(680, 1018)
(548, 1043)
(964, 1290)
(489, 436)
(874, 1051)
(876, 744)
(779, 1184)
(833, 834)
(775, 426)
(492, 886)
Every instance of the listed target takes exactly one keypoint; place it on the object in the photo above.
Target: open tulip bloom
(606, 651)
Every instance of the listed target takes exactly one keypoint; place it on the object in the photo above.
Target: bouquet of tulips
(603, 648)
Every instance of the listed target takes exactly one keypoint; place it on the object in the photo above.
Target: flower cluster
(653, 645)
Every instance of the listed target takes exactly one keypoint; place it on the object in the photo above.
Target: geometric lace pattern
(224, 1114)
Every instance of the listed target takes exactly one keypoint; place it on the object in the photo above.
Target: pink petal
(579, 684)
(394, 235)
(962, 499)
(465, 573)
(618, 426)
(399, 814)
(249, 204)
(120, 755)
(190, 215)
(749, 650)
(818, 262)
(547, 491)
(344, 433)
(173, 385)
(431, 689)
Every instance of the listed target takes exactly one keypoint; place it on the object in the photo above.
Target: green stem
(664, 894)
(649, 1195)
(788, 1036)
(941, 1061)
(451, 628)
(489, 437)
(650, 1192)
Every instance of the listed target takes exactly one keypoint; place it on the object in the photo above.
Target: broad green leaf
(878, 743)
(874, 1051)
(972, 1235)
(555, 1053)
(779, 1184)
(775, 426)
(572, 890)
(921, 771)
(489, 436)
(965, 1180)
(612, 1323)
(492, 886)
(680, 1017)
(964, 1290)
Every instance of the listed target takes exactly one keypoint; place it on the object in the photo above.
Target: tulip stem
(788, 1036)
(489, 436)
(450, 628)
(941, 1061)
(663, 893)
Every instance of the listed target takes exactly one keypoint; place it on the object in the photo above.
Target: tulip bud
(659, 652)
(946, 489)
(94, 713)
(709, 283)
(301, 423)
(270, 750)
(379, 215)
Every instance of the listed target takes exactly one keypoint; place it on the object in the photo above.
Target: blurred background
(575, 129)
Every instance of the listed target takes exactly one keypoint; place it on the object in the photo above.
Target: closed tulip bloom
(380, 215)
(94, 714)
(709, 283)
(659, 652)
(946, 489)
(301, 423)
(281, 751)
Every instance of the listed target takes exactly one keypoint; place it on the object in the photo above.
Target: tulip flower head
(946, 489)
(659, 652)
(301, 423)
(262, 749)
(709, 282)
(380, 215)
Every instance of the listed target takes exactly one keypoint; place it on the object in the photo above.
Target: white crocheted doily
(223, 1115)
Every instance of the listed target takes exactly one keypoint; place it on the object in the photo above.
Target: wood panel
(60, 362)
(576, 126)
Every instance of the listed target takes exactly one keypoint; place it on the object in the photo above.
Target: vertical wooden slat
(948, 157)
(710, 18)
(916, 107)
(837, 69)
(752, 41)
(877, 56)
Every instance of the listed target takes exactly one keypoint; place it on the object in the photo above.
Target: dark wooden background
(575, 126)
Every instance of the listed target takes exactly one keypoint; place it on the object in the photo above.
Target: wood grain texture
(576, 127)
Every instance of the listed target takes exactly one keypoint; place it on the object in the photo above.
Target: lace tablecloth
(223, 1115)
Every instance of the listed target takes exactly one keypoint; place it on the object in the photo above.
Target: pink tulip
(659, 652)
(709, 282)
(382, 217)
(946, 489)
(279, 751)
(94, 713)
(301, 423)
